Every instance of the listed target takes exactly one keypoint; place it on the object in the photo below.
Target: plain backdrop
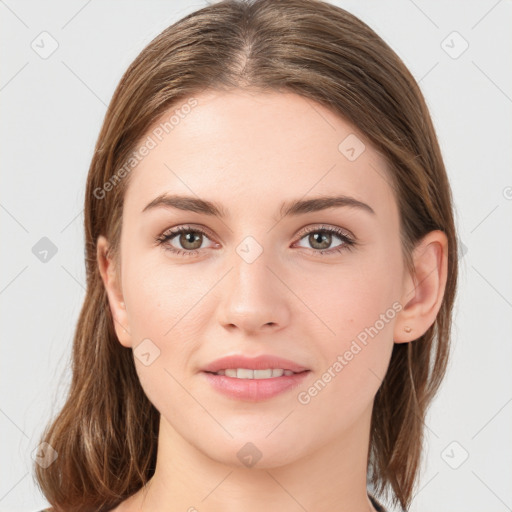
(60, 62)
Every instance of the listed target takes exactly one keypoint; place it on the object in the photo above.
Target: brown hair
(106, 434)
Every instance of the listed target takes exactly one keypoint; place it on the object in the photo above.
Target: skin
(250, 152)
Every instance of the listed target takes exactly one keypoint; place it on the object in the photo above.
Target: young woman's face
(253, 282)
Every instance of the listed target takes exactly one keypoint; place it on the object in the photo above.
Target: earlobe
(423, 291)
(110, 278)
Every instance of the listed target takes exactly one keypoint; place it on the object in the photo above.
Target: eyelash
(348, 243)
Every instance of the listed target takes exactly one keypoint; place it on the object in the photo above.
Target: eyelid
(190, 227)
(304, 231)
(321, 227)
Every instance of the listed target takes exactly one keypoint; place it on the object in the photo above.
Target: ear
(423, 291)
(111, 279)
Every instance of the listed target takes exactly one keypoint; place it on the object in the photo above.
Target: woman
(271, 267)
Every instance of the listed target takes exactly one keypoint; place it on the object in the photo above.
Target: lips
(262, 362)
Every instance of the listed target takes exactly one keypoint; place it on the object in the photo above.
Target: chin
(253, 451)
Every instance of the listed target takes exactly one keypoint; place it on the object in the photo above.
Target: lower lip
(254, 390)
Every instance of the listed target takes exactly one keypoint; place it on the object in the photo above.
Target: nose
(253, 298)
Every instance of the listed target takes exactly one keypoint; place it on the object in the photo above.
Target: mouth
(244, 384)
(248, 373)
(260, 367)
(254, 379)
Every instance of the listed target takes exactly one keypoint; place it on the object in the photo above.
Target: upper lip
(254, 363)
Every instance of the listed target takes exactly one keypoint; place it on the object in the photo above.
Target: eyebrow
(291, 208)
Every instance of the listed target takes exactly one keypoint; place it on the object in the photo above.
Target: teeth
(245, 373)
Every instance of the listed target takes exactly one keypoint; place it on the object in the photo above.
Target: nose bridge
(251, 279)
(254, 296)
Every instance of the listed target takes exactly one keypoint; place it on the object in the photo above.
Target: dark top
(375, 503)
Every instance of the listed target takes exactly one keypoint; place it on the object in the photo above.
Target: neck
(329, 478)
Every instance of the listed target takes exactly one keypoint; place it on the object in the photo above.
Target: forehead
(243, 148)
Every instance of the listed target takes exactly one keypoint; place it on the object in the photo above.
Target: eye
(190, 239)
(321, 237)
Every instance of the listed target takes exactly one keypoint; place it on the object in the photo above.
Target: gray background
(52, 109)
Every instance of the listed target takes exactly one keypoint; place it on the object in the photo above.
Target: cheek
(354, 357)
(160, 300)
(357, 305)
(348, 298)
(159, 296)
(167, 306)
